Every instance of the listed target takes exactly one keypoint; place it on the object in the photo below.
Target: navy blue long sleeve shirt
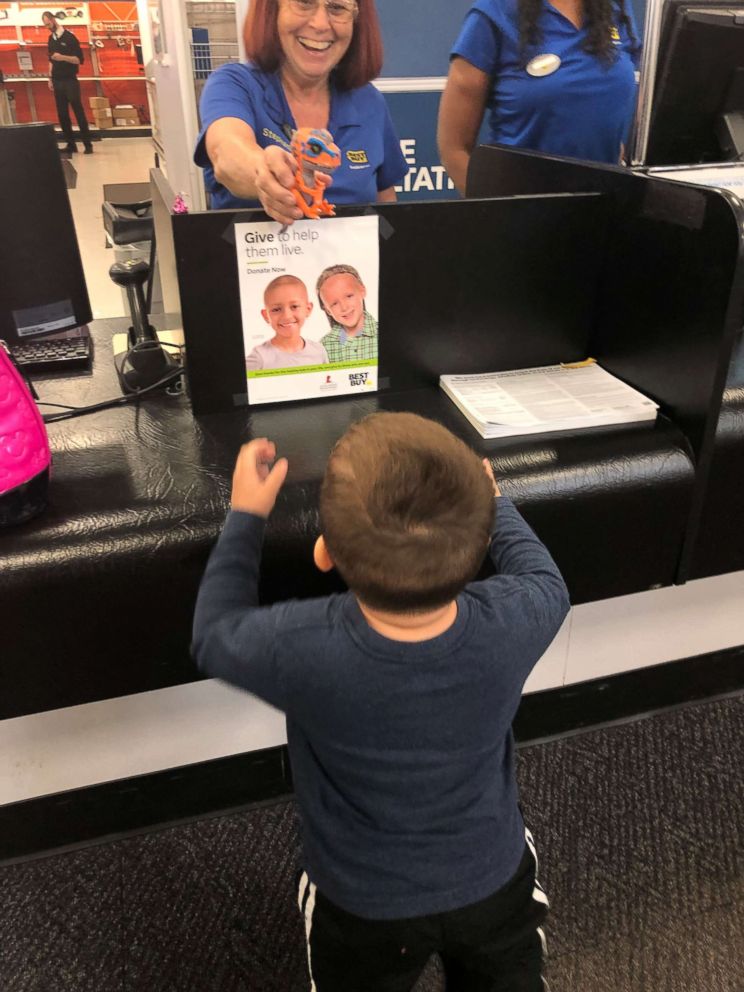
(402, 753)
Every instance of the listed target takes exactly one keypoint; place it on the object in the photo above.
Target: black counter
(96, 595)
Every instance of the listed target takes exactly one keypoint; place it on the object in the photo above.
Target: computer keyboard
(67, 354)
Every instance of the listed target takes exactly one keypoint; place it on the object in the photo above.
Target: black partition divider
(670, 292)
(671, 285)
(643, 273)
(464, 287)
(470, 287)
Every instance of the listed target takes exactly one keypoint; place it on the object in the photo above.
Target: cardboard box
(126, 115)
(99, 103)
(103, 118)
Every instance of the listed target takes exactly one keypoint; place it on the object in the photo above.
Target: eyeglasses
(338, 11)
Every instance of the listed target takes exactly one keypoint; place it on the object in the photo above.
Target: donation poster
(308, 300)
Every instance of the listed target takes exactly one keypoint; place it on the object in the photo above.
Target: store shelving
(109, 37)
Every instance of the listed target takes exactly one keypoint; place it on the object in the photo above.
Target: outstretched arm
(233, 637)
(252, 172)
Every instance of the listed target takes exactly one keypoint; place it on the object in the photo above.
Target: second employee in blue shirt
(552, 77)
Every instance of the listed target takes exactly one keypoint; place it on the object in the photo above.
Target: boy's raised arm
(515, 550)
(255, 486)
(232, 636)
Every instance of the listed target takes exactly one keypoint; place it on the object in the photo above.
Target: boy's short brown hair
(406, 511)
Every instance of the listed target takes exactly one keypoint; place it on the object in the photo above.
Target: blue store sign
(415, 119)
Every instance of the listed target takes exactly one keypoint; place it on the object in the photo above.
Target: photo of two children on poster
(341, 294)
(309, 298)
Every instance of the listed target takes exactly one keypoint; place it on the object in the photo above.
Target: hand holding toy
(314, 151)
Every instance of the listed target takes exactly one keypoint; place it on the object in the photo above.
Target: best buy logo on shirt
(358, 158)
(615, 35)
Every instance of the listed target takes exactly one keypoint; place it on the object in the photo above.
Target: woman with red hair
(310, 64)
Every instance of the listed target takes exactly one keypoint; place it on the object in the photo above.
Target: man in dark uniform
(65, 57)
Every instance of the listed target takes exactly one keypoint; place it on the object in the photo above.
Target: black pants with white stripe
(495, 945)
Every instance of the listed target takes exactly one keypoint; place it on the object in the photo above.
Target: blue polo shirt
(371, 159)
(582, 110)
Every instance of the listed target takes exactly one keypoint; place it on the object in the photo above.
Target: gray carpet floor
(640, 828)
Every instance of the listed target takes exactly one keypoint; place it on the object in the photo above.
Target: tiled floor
(114, 160)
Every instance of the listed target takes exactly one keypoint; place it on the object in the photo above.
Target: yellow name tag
(358, 158)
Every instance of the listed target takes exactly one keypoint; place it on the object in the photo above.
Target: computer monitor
(42, 285)
(697, 111)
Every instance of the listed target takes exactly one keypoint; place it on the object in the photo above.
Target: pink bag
(25, 459)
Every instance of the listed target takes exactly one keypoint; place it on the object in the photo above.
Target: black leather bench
(720, 543)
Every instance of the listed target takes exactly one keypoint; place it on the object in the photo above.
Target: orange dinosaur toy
(314, 151)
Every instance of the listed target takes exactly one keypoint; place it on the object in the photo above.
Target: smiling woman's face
(312, 44)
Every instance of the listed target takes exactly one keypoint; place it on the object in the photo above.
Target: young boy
(399, 697)
(353, 333)
(286, 308)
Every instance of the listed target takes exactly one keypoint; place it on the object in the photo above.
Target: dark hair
(406, 511)
(600, 17)
(48, 13)
(360, 65)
